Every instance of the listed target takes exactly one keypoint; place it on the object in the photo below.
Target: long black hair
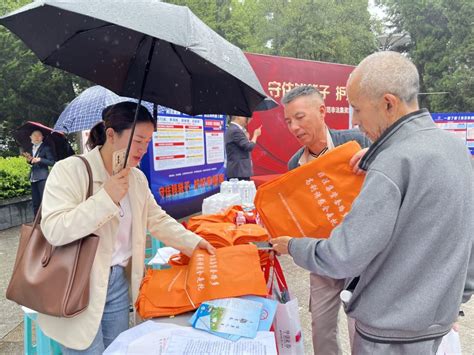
(119, 117)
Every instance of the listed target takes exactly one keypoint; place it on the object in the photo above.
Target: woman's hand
(355, 160)
(280, 245)
(204, 244)
(117, 185)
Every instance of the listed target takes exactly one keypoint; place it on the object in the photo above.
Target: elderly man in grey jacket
(409, 233)
(304, 115)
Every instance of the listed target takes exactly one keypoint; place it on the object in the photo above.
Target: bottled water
(219, 202)
(240, 219)
(226, 187)
(234, 182)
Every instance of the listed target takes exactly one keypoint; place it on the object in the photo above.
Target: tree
(326, 30)
(29, 90)
(240, 22)
(441, 46)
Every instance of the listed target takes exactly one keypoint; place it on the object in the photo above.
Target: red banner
(279, 75)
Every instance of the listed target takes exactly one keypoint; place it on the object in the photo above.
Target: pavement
(11, 316)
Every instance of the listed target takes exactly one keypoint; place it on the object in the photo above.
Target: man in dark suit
(238, 147)
(40, 156)
(304, 115)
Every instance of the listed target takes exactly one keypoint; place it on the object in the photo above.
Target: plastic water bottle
(226, 187)
(253, 191)
(235, 187)
(240, 219)
(250, 218)
(258, 220)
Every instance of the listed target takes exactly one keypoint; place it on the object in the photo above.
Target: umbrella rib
(173, 47)
(130, 64)
(71, 37)
(175, 50)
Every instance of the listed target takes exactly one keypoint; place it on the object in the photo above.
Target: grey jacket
(408, 235)
(338, 137)
(238, 148)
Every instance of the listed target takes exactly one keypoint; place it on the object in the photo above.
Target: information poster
(185, 160)
(460, 124)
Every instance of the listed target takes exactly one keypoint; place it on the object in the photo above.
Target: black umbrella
(119, 44)
(56, 140)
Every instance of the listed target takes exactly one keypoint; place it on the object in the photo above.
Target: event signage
(459, 123)
(185, 160)
(278, 75)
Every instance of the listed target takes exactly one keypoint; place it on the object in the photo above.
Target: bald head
(387, 73)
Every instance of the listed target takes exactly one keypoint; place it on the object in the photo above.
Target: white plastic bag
(289, 339)
(450, 345)
(286, 324)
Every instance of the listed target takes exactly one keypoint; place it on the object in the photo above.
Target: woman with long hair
(121, 211)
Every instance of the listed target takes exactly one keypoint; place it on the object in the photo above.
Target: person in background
(304, 115)
(409, 232)
(238, 148)
(121, 211)
(41, 157)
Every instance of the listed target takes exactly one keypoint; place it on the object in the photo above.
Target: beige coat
(67, 217)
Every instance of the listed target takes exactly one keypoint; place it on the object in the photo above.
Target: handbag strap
(274, 267)
(49, 250)
(89, 172)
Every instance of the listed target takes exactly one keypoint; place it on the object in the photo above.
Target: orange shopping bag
(227, 216)
(311, 200)
(234, 271)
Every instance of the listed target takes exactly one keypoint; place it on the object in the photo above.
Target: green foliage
(14, 182)
(442, 48)
(240, 22)
(326, 30)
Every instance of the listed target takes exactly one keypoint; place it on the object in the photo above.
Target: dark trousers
(37, 189)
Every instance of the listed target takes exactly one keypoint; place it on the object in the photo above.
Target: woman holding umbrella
(120, 212)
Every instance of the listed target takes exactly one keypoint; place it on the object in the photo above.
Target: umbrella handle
(145, 77)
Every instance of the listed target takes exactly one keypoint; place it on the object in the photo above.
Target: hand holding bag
(312, 199)
(53, 280)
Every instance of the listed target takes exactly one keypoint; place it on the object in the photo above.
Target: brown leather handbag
(53, 280)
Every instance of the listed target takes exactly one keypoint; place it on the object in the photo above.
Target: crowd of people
(404, 251)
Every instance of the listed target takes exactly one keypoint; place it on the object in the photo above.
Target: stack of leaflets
(233, 318)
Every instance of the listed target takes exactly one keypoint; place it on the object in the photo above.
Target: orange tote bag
(233, 271)
(312, 199)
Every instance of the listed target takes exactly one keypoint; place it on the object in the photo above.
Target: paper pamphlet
(186, 340)
(233, 316)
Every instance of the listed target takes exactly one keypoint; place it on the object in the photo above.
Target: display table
(166, 335)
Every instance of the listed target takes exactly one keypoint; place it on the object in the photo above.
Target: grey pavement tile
(16, 335)
(11, 314)
(10, 348)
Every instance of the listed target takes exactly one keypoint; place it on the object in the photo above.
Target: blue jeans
(115, 317)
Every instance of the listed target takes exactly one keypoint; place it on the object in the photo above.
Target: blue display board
(459, 123)
(185, 160)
